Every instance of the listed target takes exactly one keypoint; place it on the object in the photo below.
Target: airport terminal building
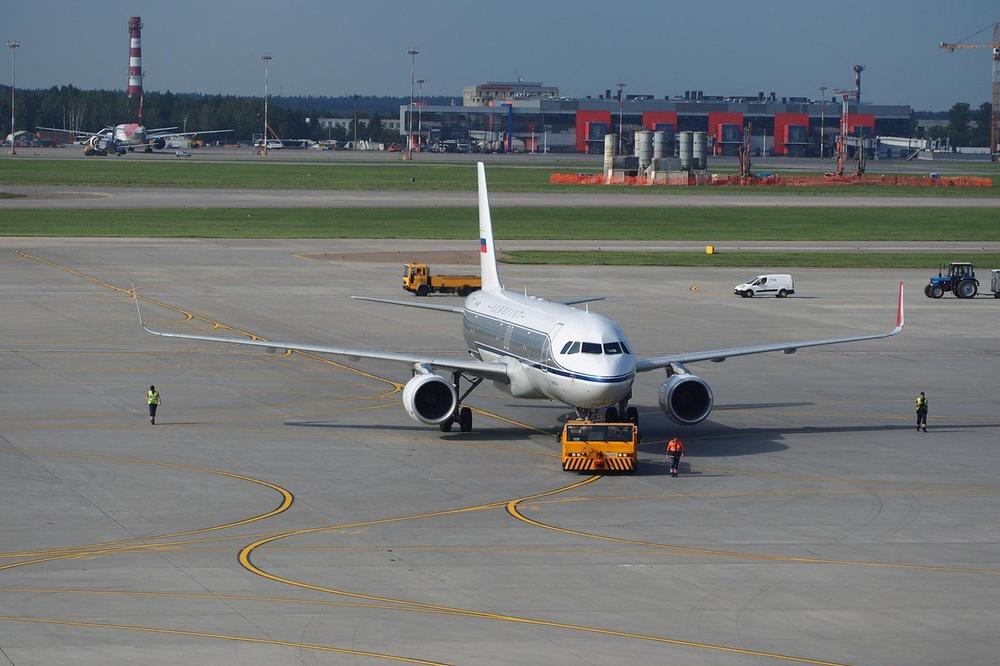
(526, 116)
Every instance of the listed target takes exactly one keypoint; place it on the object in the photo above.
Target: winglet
(487, 254)
(138, 311)
(899, 311)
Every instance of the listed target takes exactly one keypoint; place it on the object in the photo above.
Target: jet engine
(686, 399)
(159, 144)
(429, 399)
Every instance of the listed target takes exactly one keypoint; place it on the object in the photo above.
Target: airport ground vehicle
(995, 283)
(589, 446)
(780, 285)
(417, 278)
(960, 280)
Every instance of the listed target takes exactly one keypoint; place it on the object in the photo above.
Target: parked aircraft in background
(531, 347)
(120, 139)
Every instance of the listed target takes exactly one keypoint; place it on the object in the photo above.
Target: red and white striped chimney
(135, 62)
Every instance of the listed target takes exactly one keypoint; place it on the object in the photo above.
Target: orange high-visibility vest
(675, 446)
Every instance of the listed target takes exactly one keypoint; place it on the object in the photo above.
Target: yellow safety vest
(921, 402)
(153, 397)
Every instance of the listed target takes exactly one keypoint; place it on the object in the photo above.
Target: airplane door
(547, 348)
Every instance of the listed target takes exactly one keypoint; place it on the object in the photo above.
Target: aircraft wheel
(446, 426)
(611, 414)
(465, 419)
(632, 415)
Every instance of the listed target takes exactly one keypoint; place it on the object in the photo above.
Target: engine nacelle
(429, 399)
(686, 399)
(159, 144)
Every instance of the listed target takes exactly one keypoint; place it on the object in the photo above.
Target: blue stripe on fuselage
(597, 379)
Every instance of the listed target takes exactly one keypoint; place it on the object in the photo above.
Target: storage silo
(685, 150)
(610, 140)
(644, 149)
(699, 150)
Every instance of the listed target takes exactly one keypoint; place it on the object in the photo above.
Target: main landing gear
(462, 416)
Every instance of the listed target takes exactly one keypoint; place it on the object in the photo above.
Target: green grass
(10, 195)
(697, 224)
(756, 260)
(125, 172)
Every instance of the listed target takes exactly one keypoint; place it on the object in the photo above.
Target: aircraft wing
(411, 304)
(719, 355)
(496, 371)
(74, 132)
(168, 135)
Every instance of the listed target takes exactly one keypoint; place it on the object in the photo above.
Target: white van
(780, 285)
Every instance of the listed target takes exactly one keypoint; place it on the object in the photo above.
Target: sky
(723, 47)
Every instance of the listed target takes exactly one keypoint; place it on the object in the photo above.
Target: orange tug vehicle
(599, 447)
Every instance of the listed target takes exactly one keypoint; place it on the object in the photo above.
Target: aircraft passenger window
(625, 349)
(574, 348)
(612, 348)
(591, 347)
(566, 347)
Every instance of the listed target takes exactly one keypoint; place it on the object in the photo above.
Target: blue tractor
(960, 280)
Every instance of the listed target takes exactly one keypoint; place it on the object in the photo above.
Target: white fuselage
(552, 350)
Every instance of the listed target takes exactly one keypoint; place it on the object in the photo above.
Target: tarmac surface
(284, 510)
(298, 156)
(179, 197)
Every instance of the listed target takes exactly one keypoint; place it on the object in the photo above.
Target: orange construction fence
(777, 180)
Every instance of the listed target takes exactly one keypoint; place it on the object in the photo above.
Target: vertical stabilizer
(487, 253)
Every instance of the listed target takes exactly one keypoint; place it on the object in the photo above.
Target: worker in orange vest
(675, 449)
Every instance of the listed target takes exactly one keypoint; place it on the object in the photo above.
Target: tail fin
(487, 254)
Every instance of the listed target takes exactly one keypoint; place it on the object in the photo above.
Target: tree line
(959, 130)
(72, 108)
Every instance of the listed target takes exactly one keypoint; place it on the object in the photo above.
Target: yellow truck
(417, 278)
(588, 446)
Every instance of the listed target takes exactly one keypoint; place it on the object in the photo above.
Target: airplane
(119, 139)
(535, 348)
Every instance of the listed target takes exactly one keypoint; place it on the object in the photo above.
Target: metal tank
(685, 150)
(644, 149)
(610, 140)
(699, 150)
(660, 145)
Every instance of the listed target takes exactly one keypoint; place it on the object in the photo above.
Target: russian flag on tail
(482, 245)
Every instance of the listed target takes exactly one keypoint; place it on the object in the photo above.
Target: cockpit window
(574, 348)
(612, 348)
(591, 347)
(625, 349)
(565, 347)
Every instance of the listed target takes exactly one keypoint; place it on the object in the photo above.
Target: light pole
(267, 75)
(621, 114)
(420, 117)
(822, 120)
(354, 143)
(12, 44)
(409, 116)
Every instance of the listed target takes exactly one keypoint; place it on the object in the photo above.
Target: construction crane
(843, 139)
(995, 97)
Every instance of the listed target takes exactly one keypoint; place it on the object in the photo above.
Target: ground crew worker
(153, 398)
(675, 449)
(921, 404)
